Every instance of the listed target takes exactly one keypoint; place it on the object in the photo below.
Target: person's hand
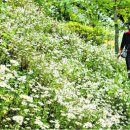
(118, 56)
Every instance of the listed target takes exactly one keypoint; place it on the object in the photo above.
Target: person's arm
(123, 42)
(122, 45)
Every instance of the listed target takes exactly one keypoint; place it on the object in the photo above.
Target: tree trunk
(116, 29)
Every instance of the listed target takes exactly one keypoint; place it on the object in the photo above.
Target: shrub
(96, 35)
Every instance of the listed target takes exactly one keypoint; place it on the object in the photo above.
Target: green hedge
(96, 34)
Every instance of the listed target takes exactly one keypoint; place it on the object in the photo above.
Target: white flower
(71, 116)
(88, 125)
(3, 68)
(92, 107)
(15, 73)
(36, 96)
(14, 62)
(9, 76)
(19, 9)
(57, 125)
(109, 124)
(38, 122)
(40, 103)
(115, 118)
(78, 123)
(28, 128)
(15, 109)
(24, 103)
(18, 119)
(26, 97)
(32, 105)
(3, 84)
(56, 73)
(64, 60)
(48, 102)
(105, 122)
(66, 37)
(22, 79)
(30, 72)
(8, 119)
(26, 110)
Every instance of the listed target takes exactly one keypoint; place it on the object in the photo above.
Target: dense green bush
(96, 35)
(52, 79)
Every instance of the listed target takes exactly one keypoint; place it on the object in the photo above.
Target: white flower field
(52, 79)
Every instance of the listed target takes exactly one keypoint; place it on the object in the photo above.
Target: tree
(116, 27)
(118, 11)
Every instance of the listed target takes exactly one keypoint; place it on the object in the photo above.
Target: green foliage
(50, 78)
(87, 12)
(65, 9)
(40, 2)
(80, 13)
(96, 35)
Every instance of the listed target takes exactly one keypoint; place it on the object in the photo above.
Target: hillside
(50, 78)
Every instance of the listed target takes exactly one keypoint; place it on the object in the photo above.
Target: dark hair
(128, 26)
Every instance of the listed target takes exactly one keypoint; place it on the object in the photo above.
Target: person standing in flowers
(126, 43)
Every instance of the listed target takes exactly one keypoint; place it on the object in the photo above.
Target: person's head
(129, 27)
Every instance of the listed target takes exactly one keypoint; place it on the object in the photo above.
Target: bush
(96, 35)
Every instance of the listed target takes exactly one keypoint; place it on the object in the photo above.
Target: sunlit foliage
(50, 78)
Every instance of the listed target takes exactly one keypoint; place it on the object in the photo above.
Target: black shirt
(125, 41)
